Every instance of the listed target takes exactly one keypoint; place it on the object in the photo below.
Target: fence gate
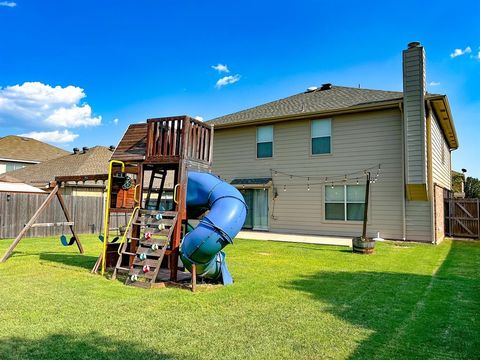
(462, 217)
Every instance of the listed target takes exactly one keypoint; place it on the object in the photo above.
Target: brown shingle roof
(336, 98)
(23, 148)
(94, 161)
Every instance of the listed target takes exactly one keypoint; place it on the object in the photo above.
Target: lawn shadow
(77, 260)
(410, 315)
(91, 346)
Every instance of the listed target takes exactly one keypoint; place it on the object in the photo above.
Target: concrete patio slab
(306, 239)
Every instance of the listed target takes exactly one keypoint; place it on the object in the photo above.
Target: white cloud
(477, 57)
(434, 83)
(227, 80)
(9, 4)
(199, 118)
(460, 52)
(56, 136)
(221, 68)
(35, 104)
(115, 121)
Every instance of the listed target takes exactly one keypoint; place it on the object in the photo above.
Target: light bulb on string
(357, 181)
(332, 184)
(308, 184)
(285, 187)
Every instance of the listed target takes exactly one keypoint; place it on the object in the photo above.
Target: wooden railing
(173, 138)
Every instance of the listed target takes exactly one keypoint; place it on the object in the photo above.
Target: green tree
(472, 188)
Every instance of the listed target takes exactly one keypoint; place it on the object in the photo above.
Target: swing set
(55, 192)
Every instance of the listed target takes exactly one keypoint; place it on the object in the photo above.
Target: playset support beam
(55, 192)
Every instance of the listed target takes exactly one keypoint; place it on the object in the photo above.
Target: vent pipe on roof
(311, 89)
(111, 148)
(85, 149)
(76, 150)
(326, 86)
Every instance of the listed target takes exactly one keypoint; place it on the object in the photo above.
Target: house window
(265, 141)
(344, 202)
(14, 166)
(321, 136)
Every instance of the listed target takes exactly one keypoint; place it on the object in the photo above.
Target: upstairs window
(344, 202)
(321, 136)
(265, 141)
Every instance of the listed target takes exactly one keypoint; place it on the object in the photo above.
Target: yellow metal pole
(124, 237)
(106, 229)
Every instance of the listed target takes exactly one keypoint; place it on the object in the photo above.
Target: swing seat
(102, 239)
(63, 240)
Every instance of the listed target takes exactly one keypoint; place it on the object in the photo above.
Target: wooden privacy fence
(17, 209)
(462, 217)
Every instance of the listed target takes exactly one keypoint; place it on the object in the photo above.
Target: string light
(284, 187)
(332, 184)
(308, 184)
(357, 181)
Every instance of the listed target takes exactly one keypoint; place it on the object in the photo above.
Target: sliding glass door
(257, 202)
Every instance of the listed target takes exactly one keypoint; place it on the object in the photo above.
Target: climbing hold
(161, 227)
(148, 235)
(146, 269)
(133, 277)
(101, 238)
(158, 216)
(142, 256)
(154, 247)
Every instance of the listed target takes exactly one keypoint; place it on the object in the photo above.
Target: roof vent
(85, 149)
(111, 148)
(414, 44)
(326, 86)
(311, 89)
(76, 150)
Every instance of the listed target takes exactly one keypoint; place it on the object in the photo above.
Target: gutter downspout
(431, 190)
(404, 177)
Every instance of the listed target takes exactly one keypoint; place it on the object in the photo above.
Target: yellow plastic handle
(135, 195)
(175, 193)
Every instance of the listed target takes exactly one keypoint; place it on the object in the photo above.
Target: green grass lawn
(289, 301)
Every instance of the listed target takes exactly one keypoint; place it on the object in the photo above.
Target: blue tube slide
(202, 246)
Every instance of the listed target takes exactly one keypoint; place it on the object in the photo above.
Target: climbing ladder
(157, 174)
(146, 253)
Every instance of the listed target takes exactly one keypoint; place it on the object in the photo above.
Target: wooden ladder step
(124, 269)
(139, 272)
(155, 212)
(153, 263)
(128, 253)
(148, 251)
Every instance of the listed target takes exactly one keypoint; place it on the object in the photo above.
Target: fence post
(478, 218)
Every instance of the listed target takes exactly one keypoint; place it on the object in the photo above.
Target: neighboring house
(91, 161)
(17, 152)
(325, 138)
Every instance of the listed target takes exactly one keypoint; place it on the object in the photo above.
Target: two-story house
(301, 161)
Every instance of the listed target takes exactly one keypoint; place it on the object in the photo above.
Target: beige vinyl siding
(414, 113)
(358, 141)
(419, 221)
(440, 170)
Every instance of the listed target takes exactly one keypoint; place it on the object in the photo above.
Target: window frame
(311, 137)
(263, 142)
(345, 205)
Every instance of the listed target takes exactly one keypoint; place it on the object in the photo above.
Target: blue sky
(106, 64)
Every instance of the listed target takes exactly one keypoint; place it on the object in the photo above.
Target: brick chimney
(414, 90)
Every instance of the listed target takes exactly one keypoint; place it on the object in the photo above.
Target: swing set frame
(55, 193)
